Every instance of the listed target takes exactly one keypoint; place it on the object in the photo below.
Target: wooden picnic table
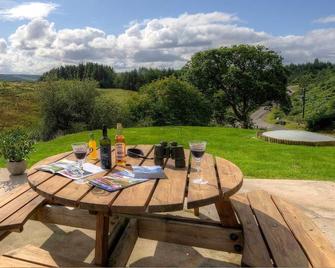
(164, 195)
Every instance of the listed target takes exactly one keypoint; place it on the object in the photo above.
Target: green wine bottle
(105, 150)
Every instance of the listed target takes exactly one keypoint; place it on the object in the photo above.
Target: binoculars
(169, 150)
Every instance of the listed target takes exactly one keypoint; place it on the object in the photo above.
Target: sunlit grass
(255, 157)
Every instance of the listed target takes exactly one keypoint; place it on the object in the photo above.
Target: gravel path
(258, 118)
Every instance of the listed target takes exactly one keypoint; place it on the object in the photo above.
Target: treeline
(311, 68)
(134, 79)
(105, 75)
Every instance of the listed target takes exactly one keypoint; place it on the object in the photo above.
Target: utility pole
(304, 82)
(303, 101)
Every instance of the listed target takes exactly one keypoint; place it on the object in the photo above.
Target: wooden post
(196, 212)
(226, 213)
(101, 239)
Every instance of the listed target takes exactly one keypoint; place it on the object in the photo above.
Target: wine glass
(198, 149)
(80, 150)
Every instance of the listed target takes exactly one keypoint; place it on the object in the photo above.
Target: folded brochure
(70, 169)
(116, 181)
(148, 172)
(123, 179)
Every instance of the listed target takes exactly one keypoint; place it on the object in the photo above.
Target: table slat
(48, 160)
(54, 184)
(318, 249)
(73, 192)
(285, 249)
(203, 194)
(230, 176)
(135, 198)
(97, 199)
(40, 177)
(170, 193)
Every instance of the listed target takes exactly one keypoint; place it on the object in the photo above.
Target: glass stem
(198, 168)
(81, 167)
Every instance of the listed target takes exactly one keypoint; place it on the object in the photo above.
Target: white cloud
(38, 33)
(28, 11)
(166, 42)
(3, 46)
(328, 19)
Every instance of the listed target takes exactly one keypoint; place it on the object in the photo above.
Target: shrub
(67, 106)
(107, 112)
(170, 101)
(15, 145)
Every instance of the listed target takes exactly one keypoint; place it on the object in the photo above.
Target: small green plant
(15, 145)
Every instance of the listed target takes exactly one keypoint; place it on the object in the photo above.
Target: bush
(321, 118)
(15, 145)
(67, 106)
(170, 101)
(108, 112)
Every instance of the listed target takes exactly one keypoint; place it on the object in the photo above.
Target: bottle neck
(104, 131)
(118, 129)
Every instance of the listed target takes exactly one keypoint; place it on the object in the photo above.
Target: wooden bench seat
(277, 233)
(16, 207)
(30, 256)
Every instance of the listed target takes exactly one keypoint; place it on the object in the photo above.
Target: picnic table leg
(196, 212)
(101, 239)
(226, 213)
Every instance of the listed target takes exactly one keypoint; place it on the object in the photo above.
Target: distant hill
(19, 77)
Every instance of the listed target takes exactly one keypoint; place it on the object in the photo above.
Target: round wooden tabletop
(224, 179)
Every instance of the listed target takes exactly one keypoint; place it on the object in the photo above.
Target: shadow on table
(173, 255)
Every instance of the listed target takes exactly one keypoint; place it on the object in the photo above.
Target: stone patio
(316, 198)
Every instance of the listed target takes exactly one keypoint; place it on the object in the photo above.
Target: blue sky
(279, 17)
(41, 31)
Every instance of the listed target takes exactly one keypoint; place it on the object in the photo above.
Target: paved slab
(299, 136)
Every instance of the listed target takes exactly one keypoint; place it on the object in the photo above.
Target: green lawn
(255, 157)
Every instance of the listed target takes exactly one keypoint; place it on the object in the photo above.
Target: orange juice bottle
(92, 144)
(120, 146)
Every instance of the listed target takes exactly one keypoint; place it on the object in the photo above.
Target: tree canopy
(170, 101)
(103, 74)
(244, 77)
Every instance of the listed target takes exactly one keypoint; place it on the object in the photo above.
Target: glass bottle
(92, 144)
(120, 146)
(105, 150)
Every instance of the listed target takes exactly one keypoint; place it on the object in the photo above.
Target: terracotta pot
(17, 168)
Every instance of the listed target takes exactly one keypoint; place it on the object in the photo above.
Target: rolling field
(19, 102)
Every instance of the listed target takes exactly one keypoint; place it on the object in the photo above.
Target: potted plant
(15, 147)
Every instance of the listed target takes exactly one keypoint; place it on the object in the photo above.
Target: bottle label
(105, 156)
(119, 151)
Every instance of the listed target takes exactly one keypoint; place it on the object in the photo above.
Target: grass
(255, 157)
(290, 124)
(118, 94)
(18, 104)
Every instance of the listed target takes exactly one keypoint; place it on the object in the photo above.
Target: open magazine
(116, 181)
(70, 169)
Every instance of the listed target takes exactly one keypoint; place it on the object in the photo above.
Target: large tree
(243, 76)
